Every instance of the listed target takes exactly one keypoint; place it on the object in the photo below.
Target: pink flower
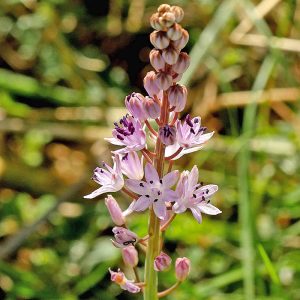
(162, 262)
(130, 256)
(191, 136)
(182, 268)
(129, 133)
(124, 237)
(154, 191)
(111, 179)
(194, 196)
(114, 210)
(132, 166)
(135, 104)
(125, 284)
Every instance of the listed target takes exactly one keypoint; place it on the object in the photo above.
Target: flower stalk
(147, 184)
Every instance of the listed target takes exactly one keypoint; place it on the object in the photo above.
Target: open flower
(129, 133)
(111, 179)
(154, 191)
(194, 196)
(125, 284)
(191, 137)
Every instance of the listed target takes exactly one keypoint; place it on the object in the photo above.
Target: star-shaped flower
(194, 196)
(191, 137)
(111, 179)
(154, 191)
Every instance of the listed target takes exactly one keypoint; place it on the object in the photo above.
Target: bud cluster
(169, 38)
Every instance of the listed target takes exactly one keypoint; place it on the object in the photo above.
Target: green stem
(150, 291)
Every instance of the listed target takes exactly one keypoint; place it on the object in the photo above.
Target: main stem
(150, 291)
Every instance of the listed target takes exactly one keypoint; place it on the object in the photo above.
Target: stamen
(120, 137)
(160, 181)
(151, 181)
(194, 195)
(203, 198)
(141, 184)
(155, 200)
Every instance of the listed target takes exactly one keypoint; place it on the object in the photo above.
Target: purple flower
(191, 136)
(125, 284)
(128, 133)
(154, 191)
(194, 196)
(124, 237)
(111, 179)
(132, 166)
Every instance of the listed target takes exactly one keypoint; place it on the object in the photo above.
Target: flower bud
(177, 96)
(167, 135)
(167, 19)
(162, 262)
(183, 62)
(164, 8)
(124, 237)
(114, 210)
(170, 55)
(154, 22)
(152, 108)
(176, 77)
(174, 33)
(182, 268)
(135, 105)
(150, 84)
(156, 60)
(181, 43)
(130, 256)
(132, 166)
(163, 80)
(159, 39)
(178, 13)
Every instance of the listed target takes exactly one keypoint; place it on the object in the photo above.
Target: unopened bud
(150, 84)
(156, 60)
(114, 210)
(183, 62)
(181, 43)
(177, 96)
(178, 13)
(163, 80)
(167, 19)
(130, 256)
(124, 237)
(159, 39)
(135, 105)
(167, 135)
(174, 33)
(176, 77)
(154, 22)
(164, 8)
(152, 108)
(182, 268)
(170, 55)
(162, 262)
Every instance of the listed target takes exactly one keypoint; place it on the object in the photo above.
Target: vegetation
(65, 69)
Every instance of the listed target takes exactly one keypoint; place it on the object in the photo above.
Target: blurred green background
(65, 68)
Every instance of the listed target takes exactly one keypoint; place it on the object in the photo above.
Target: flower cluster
(138, 170)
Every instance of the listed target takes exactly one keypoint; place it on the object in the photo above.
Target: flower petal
(193, 177)
(160, 209)
(137, 186)
(197, 214)
(209, 209)
(114, 141)
(100, 191)
(170, 196)
(151, 173)
(141, 204)
(170, 179)
(178, 208)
